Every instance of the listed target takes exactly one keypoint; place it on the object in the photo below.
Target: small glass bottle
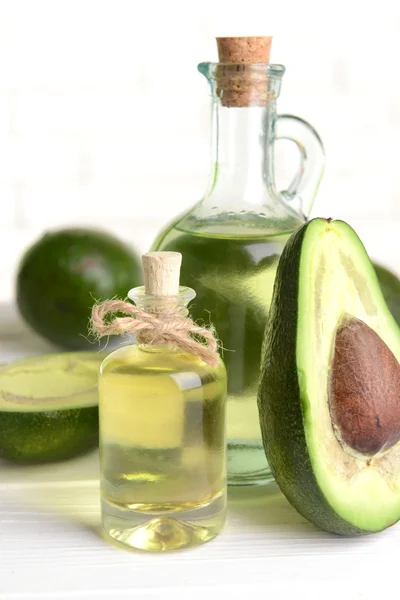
(162, 430)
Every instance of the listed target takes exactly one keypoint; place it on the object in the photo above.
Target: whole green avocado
(61, 276)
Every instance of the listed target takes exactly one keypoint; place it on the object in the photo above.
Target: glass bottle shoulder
(202, 221)
(135, 360)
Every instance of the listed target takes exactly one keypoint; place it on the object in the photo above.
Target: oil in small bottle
(162, 442)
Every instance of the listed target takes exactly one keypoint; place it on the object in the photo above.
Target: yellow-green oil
(233, 275)
(162, 447)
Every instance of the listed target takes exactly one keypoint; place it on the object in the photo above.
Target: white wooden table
(51, 546)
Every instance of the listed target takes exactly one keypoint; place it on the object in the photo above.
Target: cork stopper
(244, 49)
(161, 272)
(238, 82)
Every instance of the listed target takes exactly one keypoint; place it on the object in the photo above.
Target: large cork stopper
(244, 49)
(238, 84)
(161, 272)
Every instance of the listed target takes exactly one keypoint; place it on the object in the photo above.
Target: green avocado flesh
(48, 406)
(329, 385)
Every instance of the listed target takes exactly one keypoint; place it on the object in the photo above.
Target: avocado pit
(364, 389)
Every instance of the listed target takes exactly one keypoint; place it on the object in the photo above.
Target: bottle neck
(242, 154)
(241, 198)
(163, 306)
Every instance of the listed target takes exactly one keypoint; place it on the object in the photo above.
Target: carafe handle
(304, 186)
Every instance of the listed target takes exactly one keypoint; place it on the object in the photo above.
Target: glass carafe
(232, 239)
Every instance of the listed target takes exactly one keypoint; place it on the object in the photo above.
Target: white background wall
(104, 118)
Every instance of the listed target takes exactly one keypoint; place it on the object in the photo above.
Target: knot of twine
(153, 329)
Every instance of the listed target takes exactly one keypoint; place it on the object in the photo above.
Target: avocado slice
(330, 384)
(49, 406)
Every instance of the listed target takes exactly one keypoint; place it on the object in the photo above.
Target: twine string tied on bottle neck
(155, 328)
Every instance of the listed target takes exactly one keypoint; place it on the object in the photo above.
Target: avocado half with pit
(329, 397)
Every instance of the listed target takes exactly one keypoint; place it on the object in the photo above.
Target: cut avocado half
(329, 397)
(49, 406)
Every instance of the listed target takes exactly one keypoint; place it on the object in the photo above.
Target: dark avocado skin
(281, 416)
(64, 273)
(390, 286)
(38, 437)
